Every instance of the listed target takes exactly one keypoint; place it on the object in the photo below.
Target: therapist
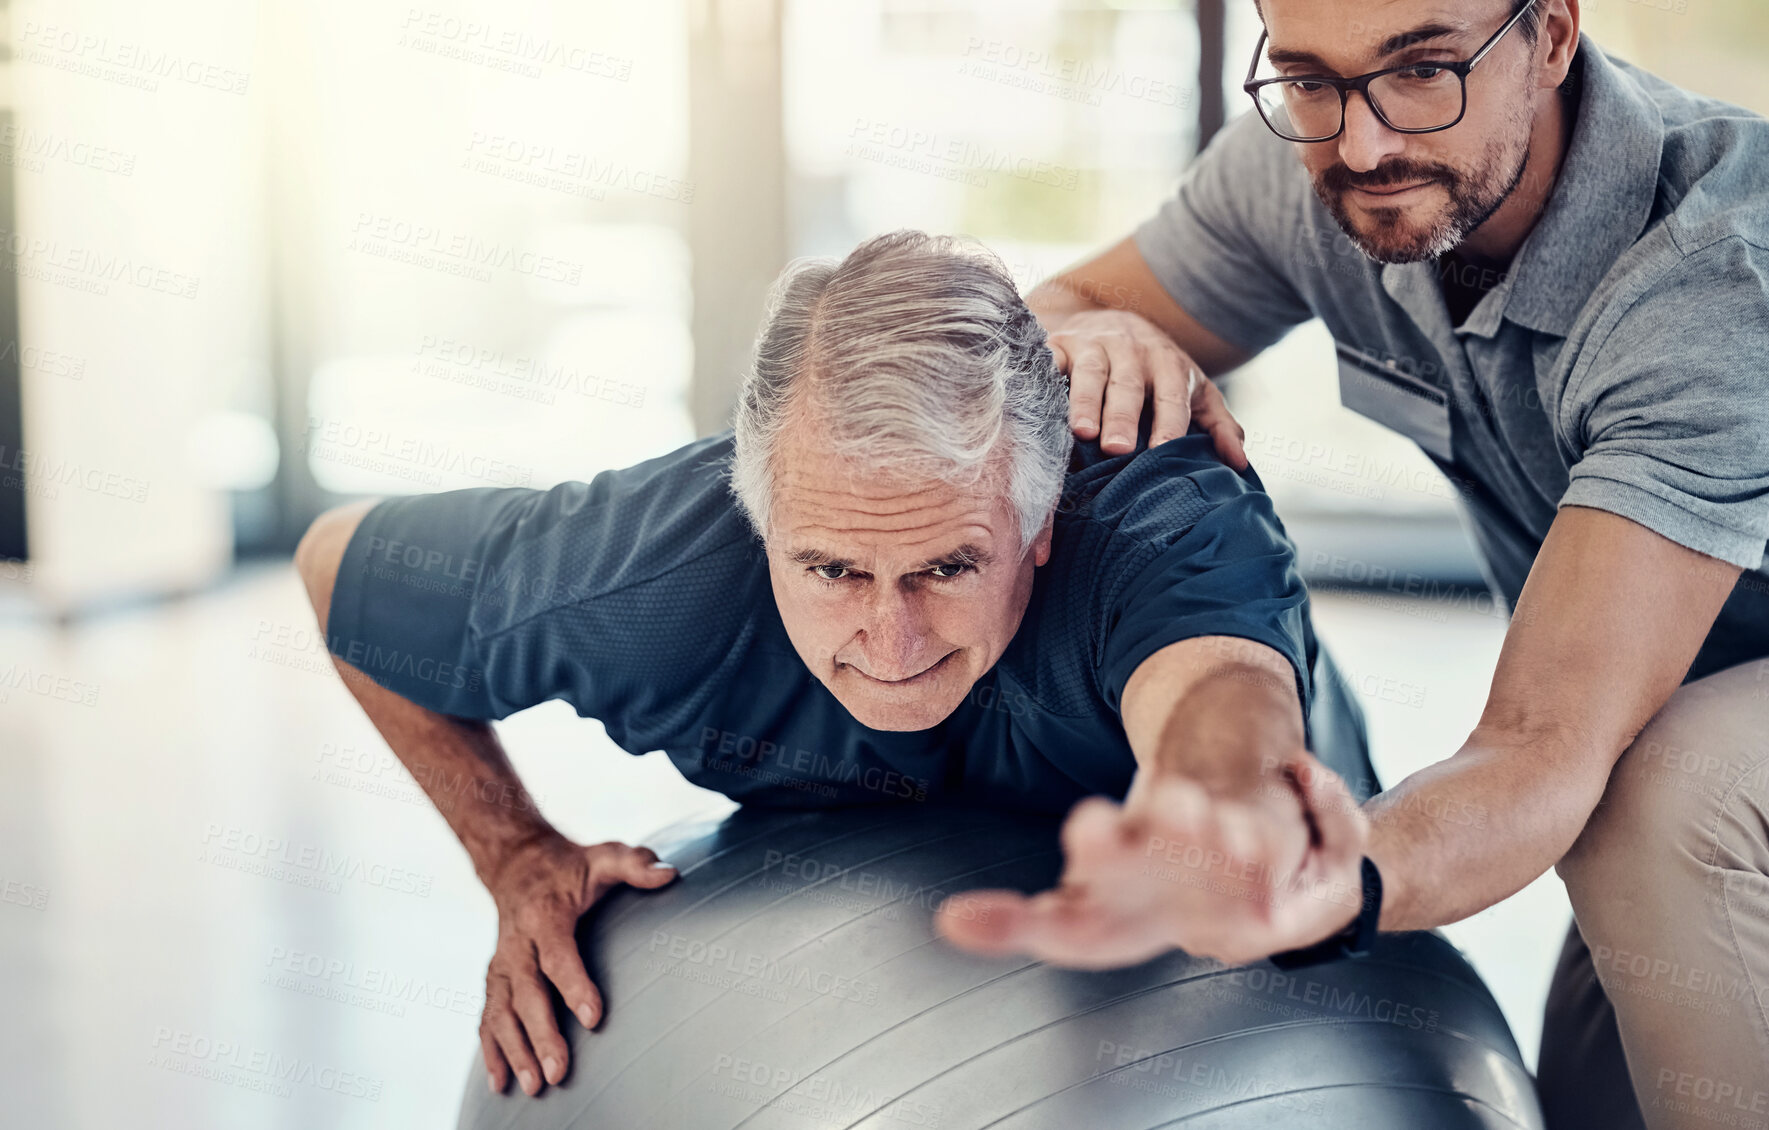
(1548, 268)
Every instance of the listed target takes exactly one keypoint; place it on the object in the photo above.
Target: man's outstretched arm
(542, 882)
(1226, 807)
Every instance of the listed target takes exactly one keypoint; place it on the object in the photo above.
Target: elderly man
(1551, 270)
(895, 582)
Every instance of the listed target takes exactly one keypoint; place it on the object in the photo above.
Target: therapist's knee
(1651, 812)
(1651, 835)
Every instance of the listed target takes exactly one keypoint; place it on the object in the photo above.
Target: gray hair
(919, 356)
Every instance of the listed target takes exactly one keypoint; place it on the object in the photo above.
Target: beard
(1388, 236)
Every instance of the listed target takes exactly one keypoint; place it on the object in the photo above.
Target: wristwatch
(1354, 940)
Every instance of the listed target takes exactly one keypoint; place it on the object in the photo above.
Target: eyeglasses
(1415, 98)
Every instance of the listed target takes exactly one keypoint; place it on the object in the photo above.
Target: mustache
(1393, 174)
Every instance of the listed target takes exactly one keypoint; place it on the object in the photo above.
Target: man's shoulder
(1153, 494)
(698, 471)
(1691, 283)
(1154, 547)
(1693, 286)
(1711, 185)
(1121, 515)
(1686, 113)
(661, 512)
(668, 521)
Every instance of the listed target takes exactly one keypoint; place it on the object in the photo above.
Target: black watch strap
(1354, 940)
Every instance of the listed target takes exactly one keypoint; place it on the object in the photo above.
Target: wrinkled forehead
(844, 506)
(1352, 36)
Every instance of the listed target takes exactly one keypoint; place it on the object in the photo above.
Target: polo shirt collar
(1601, 201)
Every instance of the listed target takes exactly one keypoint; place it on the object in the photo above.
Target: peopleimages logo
(957, 158)
(761, 970)
(129, 64)
(428, 245)
(88, 269)
(745, 755)
(372, 658)
(509, 49)
(1071, 78)
(303, 864)
(1139, 1068)
(518, 375)
(26, 895)
(1304, 996)
(26, 148)
(19, 677)
(364, 986)
(49, 471)
(817, 1098)
(251, 1068)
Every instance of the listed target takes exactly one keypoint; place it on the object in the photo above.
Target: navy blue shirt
(642, 598)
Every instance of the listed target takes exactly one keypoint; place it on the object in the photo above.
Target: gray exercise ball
(790, 978)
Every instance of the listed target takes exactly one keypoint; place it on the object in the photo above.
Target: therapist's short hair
(917, 355)
(1530, 25)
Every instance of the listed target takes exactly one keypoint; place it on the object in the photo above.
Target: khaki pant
(1665, 978)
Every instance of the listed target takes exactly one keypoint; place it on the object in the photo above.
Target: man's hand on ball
(541, 889)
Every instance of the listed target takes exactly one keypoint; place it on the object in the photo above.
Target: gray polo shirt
(1622, 364)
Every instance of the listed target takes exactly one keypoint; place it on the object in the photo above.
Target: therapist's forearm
(1056, 300)
(1458, 836)
(1606, 627)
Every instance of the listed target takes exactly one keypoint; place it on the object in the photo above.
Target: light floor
(167, 927)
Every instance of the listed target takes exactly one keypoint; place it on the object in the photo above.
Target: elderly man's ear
(1041, 543)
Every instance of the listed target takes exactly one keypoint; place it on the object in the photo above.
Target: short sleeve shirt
(642, 598)
(1622, 363)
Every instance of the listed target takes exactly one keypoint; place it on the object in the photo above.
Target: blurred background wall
(265, 257)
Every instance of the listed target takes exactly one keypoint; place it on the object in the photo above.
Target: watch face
(1354, 939)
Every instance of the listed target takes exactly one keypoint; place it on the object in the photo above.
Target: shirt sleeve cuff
(344, 617)
(395, 627)
(1166, 262)
(1666, 518)
(1115, 678)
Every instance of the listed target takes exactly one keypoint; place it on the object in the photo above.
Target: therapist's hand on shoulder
(1235, 878)
(1117, 358)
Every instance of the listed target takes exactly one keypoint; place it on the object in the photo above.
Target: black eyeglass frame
(1362, 82)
